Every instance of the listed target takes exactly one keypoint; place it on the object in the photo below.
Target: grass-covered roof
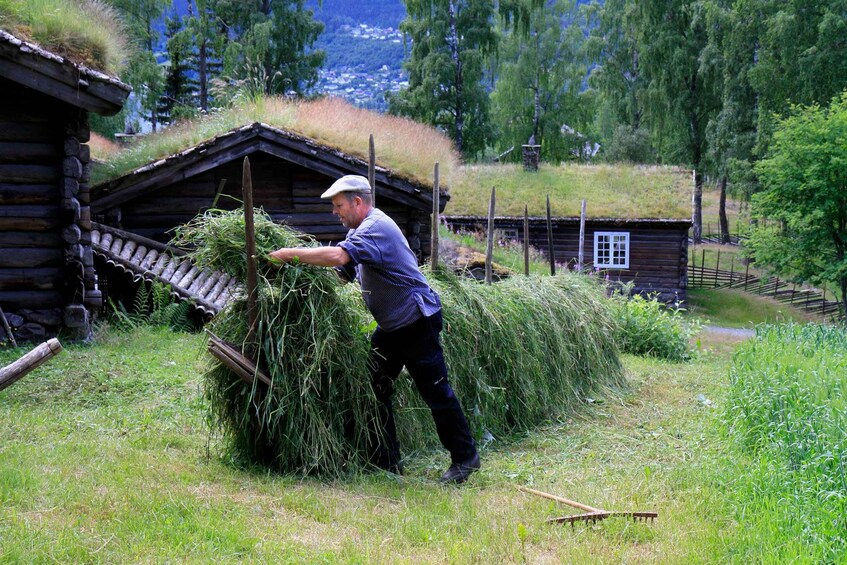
(87, 32)
(407, 148)
(611, 191)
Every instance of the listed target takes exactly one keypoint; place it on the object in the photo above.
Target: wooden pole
(746, 274)
(7, 329)
(550, 250)
(717, 268)
(35, 358)
(702, 267)
(489, 250)
(372, 168)
(581, 257)
(526, 240)
(436, 205)
(250, 240)
(731, 270)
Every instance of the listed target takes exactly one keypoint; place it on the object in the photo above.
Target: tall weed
(788, 406)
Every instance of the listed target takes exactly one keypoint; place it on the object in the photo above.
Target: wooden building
(289, 173)
(652, 254)
(47, 278)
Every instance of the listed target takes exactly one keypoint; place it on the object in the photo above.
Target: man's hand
(284, 255)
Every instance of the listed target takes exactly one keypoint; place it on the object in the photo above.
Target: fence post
(702, 267)
(793, 291)
(550, 239)
(746, 274)
(489, 250)
(436, 205)
(823, 298)
(717, 268)
(731, 271)
(776, 287)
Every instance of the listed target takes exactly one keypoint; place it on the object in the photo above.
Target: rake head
(594, 517)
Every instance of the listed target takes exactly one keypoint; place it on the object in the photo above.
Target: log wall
(47, 279)
(289, 192)
(658, 252)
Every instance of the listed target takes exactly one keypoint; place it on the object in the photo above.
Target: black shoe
(459, 472)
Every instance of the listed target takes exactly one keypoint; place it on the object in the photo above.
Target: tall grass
(86, 31)
(408, 148)
(788, 405)
(520, 352)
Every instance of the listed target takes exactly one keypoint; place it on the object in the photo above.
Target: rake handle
(562, 500)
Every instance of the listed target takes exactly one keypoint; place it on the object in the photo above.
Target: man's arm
(330, 256)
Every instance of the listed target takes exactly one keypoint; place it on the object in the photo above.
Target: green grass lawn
(105, 456)
(737, 309)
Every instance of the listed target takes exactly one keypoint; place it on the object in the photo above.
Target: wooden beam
(32, 360)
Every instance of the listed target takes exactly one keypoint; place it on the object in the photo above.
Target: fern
(153, 305)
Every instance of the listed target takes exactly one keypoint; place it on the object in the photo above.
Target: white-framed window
(611, 250)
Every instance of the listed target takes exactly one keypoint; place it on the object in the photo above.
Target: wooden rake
(591, 514)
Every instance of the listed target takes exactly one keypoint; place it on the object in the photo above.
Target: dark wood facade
(47, 278)
(289, 174)
(657, 252)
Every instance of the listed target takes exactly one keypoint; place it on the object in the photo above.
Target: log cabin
(289, 173)
(649, 253)
(47, 276)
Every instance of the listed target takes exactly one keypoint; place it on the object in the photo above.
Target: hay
(521, 352)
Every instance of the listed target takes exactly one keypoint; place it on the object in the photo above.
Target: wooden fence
(804, 297)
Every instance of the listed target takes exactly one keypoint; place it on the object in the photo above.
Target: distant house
(289, 173)
(652, 254)
(47, 278)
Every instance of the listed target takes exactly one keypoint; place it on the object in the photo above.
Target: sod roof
(404, 149)
(610, 191)
(44, 71)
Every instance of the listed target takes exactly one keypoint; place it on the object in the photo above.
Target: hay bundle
(519, 352)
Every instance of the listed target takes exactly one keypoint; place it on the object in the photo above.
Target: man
(408, 316)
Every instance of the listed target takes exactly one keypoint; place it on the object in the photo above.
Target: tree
(681, 95)
(451, 40)
(617, 77)
(805, 197)
(177, 100)
(142, 71)
(541, 73)
(273, 44)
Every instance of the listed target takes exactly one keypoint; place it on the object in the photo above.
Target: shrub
(649, 327)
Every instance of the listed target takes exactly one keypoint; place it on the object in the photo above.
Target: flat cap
(348, 183)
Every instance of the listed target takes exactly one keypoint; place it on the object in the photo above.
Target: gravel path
(735, 332)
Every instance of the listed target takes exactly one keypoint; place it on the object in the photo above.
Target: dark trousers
(417, 347)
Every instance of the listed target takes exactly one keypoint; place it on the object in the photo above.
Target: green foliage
(805, 184)
(788, 406)
(154, 305)
(450, 43)
(538, 88)
(278, 37)
(520, 352)
(646, 326)
(628, 145)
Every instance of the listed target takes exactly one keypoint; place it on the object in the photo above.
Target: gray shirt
(394, 289)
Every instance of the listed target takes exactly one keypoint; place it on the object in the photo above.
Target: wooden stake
(526, 240)
(35, 358)
(581, 257)
(250, 240)
(7, 328)
(550, 249)
(436, 205)
(372, 169)
(489, 251)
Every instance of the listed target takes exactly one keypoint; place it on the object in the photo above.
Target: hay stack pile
(520, 352)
